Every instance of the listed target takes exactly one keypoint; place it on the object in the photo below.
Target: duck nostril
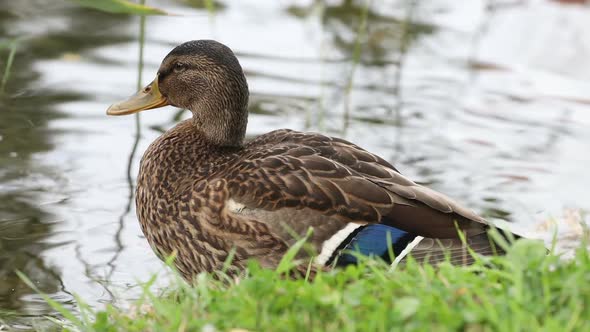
(147, 89)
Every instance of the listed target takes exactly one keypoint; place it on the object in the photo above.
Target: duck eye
(178, 67)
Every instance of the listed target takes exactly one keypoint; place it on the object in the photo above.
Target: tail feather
(456, 251)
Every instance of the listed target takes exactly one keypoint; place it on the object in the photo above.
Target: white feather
(331, 244)
(406, 250)
(234, 206)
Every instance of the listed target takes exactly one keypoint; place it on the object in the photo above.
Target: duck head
(205, 77)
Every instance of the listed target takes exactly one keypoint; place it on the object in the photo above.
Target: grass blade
(288, 261)
(120, 7)
(12, 51)
(54, 304)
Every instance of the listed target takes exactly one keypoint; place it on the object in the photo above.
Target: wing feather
(335, 178)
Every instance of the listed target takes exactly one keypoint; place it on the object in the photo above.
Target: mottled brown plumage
(202, 191)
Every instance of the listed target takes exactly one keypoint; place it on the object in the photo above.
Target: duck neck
(223, 123)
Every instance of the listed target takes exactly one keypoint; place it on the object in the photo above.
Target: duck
(206, 195)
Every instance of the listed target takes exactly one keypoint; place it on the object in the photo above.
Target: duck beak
(146, 99)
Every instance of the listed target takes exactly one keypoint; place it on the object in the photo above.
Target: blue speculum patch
(374, 240)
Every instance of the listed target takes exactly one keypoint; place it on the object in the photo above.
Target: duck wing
(311, 179)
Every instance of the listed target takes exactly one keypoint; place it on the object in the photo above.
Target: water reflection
(27, 229)
(386, 35)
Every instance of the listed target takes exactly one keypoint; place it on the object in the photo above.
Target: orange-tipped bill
(146, 99)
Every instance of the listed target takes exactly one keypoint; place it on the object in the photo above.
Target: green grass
(526, 290)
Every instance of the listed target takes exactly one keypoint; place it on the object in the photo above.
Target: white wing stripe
(331, 244)
(406, 251)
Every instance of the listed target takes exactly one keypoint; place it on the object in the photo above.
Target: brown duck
(204, 192)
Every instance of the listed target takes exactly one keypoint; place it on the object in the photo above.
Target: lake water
(487, 101)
